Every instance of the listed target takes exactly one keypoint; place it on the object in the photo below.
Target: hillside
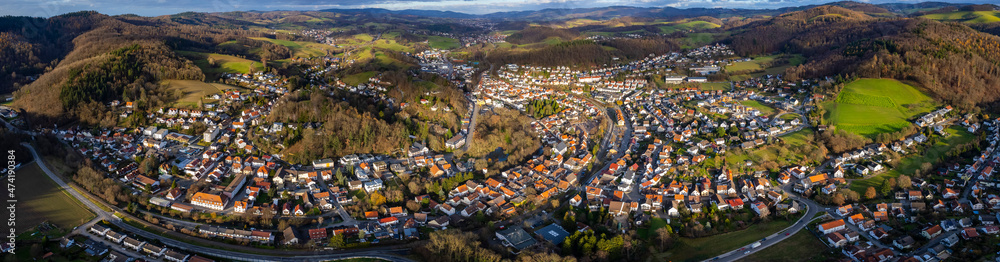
(957, 63)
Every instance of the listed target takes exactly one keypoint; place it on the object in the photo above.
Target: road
(187, 247)
(775, 238)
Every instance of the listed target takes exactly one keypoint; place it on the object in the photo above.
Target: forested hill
(953, 61)
(105, 58)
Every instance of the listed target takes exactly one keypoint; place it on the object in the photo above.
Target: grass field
(790, 116)
(226, 63)
(869, 107)
(972, 17)
(654, 224)
(715, 86)
(358, 78)
(441, 42)
(685, 26)
(301, 48)
(910, 164)
(764, 110)
(193, 90)
(687, 249)
(41, 199)
(696, 39)
(392, 45)
(802, 246)
(751, 65)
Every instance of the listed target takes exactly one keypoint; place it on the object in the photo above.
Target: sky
(48, 8)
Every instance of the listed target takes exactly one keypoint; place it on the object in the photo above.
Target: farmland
(869, 107)
(223, 63)
(299, 48)
(41, 199)
(971, 17)
(192, 91)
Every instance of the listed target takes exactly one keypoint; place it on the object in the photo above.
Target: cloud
(47, 8)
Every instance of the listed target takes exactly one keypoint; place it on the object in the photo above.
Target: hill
(869, 107)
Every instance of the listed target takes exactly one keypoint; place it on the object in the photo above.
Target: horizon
(150, 8)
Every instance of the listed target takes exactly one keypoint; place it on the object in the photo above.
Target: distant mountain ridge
(620, 11)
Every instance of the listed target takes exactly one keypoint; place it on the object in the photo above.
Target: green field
(715, 86)
(392, 45)
(358, 78)
(972, 17)
(654, 224)
(300, 48)
(790, 116)
(751, 65)
(693, 40)
(764, 110)
(869, 107)
(688, 249)
(41, 199)
(192, 91)
(441, 42)
(685, 26)
(225, 63)
(799, 247)
(909, 165)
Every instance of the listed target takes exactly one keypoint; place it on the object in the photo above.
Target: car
(788, 234)
(748, 252)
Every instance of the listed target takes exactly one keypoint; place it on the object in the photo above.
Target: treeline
(535, 34)
(258, 49)
(543, 108)
(954, 62)
(578, 52)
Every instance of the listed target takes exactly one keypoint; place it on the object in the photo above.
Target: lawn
(755, 64)
(764, 110)
(972, 17)
(226, 63)
(441, 42)
(802, 246)
(715, 86)
(790, 116)
(654, 224)
(193, 90)
(869, 107)
(300, 48)
(358, 78)
(909, 165)
(696, 249)
(41, 199)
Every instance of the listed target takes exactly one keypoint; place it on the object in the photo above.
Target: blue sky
(46, 8)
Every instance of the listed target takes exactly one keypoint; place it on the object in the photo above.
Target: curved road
(305, 256)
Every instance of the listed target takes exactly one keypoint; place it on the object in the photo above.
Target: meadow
(869, 107)
(192, 91)
(441, 42)
(41, 199)
(971, 17)
(226, 63)
(300, 48)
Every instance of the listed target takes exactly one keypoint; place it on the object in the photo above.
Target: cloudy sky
(46, 8)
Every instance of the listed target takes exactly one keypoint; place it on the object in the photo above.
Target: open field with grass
(972, 17)
(755, 64)
(715, 86)
(802, 246)
(654, 224)
(869, 107)
(192, 91)
(225, 63)
(693, 40)
(686, 26)
(687, 249)
(441, 42)
(300, 48)
(41, 199)
(358, 78)
(790, 116)
(909, 165)
(764, 109)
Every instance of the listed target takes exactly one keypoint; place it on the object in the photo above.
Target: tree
(376, 199)
(838, 199)
(412, 205)
(885, 189)
(337, 241)
(870, 193)
(903, 181)
(662, 238)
